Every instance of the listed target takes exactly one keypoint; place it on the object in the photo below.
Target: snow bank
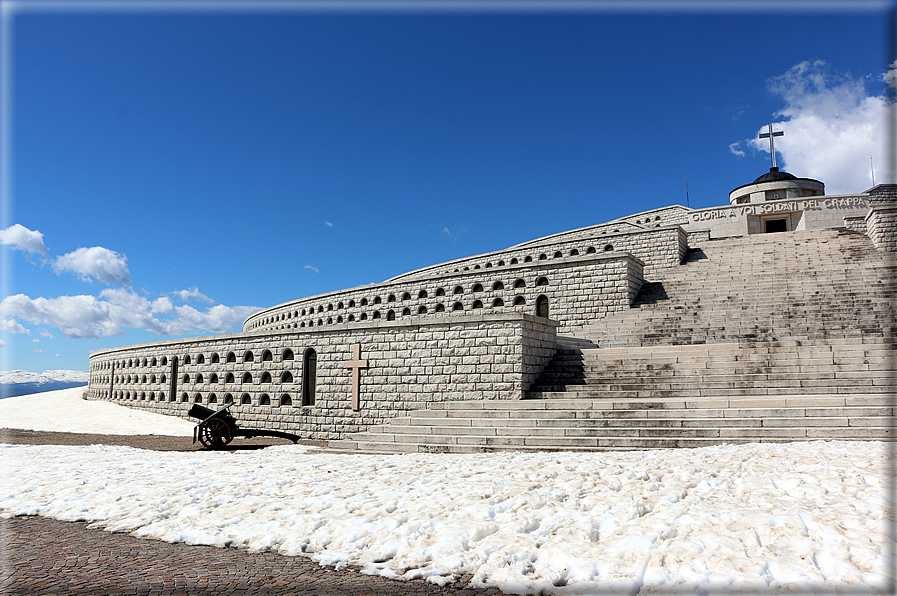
(66, 411)
(799, 516)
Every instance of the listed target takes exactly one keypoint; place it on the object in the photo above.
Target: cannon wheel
(215, 433)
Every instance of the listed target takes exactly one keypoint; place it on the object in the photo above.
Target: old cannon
(218, 428)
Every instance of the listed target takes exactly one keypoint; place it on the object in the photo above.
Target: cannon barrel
(201, 412)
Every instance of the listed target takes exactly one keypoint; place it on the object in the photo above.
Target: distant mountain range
(22, 382)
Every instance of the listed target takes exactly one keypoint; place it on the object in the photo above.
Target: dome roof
(773, 175)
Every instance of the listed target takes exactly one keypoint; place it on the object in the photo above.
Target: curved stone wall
(673, 215)
(578, 289)
(410, 363)
(656, 248)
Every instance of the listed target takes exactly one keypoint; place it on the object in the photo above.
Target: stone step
(720, 377)
(854, 399)
(742, 364)
(568, 426)
(634, 424)
(736, 323)
(574, 392)
(847, 368)
(582, 437)
(846, 417)
(670, 359)
(657, 410)
(651, 392)
(488, 444)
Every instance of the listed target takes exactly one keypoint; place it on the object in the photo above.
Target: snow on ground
(66, 411)
(762, 517)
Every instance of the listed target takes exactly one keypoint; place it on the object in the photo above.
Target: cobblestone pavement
(43, 557)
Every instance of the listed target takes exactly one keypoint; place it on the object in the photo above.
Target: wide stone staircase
(604, 425)
(777, 337)
(810, 285)
(795, 367)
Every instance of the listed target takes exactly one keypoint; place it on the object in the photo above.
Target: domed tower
(774, 186)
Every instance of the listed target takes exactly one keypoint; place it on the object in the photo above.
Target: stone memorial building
(767, 319)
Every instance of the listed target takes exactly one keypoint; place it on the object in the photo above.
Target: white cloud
(21, 238)
(735, 148)
(3, 343)
(38, 351)
(890, 77)
(328, 224)
(832, 126)
(96, 262)
(192, 294)
(216, 319)
(46, 333)
(163, 306)
(116, 310)
(445, 232)
(315, 269)
(35, 341)
(13, 326)
(76, 316)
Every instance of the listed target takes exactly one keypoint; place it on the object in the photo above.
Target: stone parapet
(432, 359)
(657, 248)
(883, 193)
(881, 224)
(855, 224)
(696, 237)
(672, 215)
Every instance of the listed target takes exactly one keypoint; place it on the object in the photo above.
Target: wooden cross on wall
(356, 364)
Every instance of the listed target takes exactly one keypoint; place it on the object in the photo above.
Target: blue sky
(169, 172)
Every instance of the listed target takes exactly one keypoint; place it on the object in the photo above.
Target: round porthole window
(775, 195)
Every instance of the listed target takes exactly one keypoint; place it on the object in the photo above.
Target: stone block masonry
(646, 221)
(883, 193)
(578, 289)
(297, 381)
(855, 224)
(656, 248)
(881, 225)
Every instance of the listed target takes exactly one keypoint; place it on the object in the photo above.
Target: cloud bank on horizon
(115, 309)
(833, 126)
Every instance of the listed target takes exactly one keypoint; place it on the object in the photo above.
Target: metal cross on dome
(769, 134)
